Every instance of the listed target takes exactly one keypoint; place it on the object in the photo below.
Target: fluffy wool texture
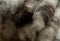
(19, 24)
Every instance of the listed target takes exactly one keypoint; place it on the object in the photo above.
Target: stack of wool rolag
(29, 20)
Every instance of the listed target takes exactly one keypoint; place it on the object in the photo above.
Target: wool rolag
(47, 9)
